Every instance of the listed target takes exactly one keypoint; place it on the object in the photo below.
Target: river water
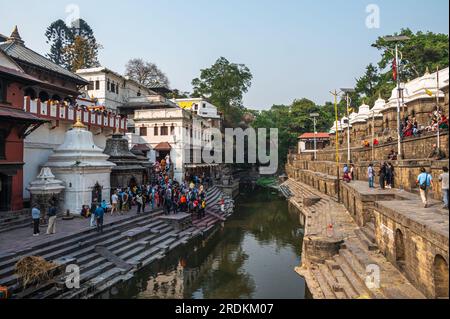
(252, 256)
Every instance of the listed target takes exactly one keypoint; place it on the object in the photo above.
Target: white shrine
(83, 168)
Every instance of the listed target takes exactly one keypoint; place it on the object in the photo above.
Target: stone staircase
(347, 274)
(15, 220)
(109, 258)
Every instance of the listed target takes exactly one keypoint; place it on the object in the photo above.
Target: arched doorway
(133, 182)
(440, 273)
(399, 249)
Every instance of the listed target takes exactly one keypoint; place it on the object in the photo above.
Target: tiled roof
(311, 135)
(20, 52)
(141, 147)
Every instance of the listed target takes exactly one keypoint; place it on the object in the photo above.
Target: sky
(294, 48)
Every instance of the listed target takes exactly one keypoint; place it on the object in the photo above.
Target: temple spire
(15, 36)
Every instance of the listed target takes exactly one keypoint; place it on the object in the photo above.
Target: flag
(428, 92)
(394, 69)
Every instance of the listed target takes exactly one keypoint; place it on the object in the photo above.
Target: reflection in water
(252, 257)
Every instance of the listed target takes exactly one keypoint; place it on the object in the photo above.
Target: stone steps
(368, 242)
(138, 242)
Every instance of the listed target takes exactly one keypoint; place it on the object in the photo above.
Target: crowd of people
(411, 127)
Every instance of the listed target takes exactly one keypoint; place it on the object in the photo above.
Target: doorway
(5, 192)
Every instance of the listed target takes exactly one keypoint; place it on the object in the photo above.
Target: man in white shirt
(444, 179)
(114, 202)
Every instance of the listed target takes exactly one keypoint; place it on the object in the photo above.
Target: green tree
(224, 84)
(423, 50)
(73, 47)
(58, 36)
(80, 54)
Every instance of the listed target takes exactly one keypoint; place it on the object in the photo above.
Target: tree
(224, 84)
(59, 36)
(423, 50)
(81, 54)
(145, 73)
(73, 47)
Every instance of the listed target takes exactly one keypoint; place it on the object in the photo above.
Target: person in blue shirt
(99, 213)
(36, 216)
(425, 183)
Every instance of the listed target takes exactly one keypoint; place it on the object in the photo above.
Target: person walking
(51, 229)
(371, 175)
(382, 175)
(443, 178)
(99, 214)
(36, 216)
(425, 182)
(352, 172)
(388, 176)
(139, 203)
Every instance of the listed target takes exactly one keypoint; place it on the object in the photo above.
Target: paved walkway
(22, 238)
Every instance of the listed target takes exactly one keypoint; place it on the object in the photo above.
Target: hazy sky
(294, 48)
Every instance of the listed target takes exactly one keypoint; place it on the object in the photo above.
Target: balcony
(57, 111)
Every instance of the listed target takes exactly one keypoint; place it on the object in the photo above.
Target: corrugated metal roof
(21, 53)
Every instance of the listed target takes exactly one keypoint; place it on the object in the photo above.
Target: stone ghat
(340, 259)
(406, 171)
(113, 257)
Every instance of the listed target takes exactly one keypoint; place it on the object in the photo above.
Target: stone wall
(420, 253)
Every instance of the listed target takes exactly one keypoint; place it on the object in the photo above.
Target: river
(253, 256)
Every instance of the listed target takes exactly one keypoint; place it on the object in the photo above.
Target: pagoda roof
(15, 48)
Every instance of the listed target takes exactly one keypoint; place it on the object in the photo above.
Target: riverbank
(252, 256)
(113, 257)
(342, 260)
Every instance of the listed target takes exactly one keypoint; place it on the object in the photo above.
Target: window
(139, 93)
(117, 89)
(143, 131)
(2, 143)
(164, 130)
(172, 130)
(113, 87)
(108, 86)
(97, 85)
(204, 105)
(155, 131)
(2, 91)
(90, 86)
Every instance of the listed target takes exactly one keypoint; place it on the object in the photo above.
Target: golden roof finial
(427, 71)
(79, 124)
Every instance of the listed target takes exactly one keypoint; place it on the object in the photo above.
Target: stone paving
(21, 239)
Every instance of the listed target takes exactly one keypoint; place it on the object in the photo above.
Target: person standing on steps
(99, 214)
(36, 216)
(51, 229)
(371, 175)
(388, 176)
(139, 202)
(425, 183)
(382, 175)
(444, 179)
(114, 202)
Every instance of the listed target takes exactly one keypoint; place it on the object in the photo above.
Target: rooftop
(312, 135)
(15, 47)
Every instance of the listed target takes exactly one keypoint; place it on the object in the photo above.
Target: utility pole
(437, 108)
(314, 117)
(347, 97)
(397, 39)
(335, 94)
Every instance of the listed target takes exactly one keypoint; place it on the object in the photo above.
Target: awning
(163, 147)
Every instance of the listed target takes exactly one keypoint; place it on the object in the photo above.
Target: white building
(172, 131)
(111, 89)
(202, 108)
